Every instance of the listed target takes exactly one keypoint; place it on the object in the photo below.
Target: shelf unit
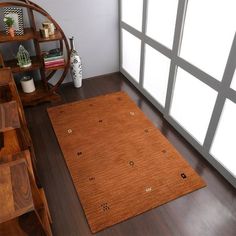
(45, 92)
(20, 195)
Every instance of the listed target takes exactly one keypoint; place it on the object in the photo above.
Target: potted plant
(9, 21)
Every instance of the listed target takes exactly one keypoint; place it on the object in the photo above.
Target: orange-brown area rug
(120, 163)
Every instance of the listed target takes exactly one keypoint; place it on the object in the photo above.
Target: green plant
(9, 21)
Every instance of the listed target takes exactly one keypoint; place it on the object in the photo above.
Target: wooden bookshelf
(46, 93)
(21, 191)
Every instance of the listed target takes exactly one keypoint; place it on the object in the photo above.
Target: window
(205, 31)
(161, 20)
(156, 73)
(223, 147)
(208, 34)
(131, 51)
(192, 104)
(233, 84)
(132, 12)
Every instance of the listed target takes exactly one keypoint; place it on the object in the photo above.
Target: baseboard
(97, 77)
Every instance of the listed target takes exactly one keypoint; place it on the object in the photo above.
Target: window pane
(131, 51)
(233, 84)
(208, 34)
(156, 73)
(132, 13)
(223, 147)
(161, 20)
(192, 104)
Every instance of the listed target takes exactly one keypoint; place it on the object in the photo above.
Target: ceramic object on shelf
(11, 32)
(50, 26)
(23, 58)
(75, 65)
(27, 84)
(44, 32)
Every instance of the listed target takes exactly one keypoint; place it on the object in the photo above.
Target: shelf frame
(32, 33)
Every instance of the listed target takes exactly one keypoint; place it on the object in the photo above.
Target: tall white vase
(75, 65)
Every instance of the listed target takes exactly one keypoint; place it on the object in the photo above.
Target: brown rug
(120, 163)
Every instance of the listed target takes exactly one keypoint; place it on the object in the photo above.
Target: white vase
(75, 65)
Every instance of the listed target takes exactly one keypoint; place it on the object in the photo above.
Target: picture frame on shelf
(17, 15)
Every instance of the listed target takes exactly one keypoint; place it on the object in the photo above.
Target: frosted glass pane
(156, 73)
(192, 104)
(161, 20)
(208, 34)
(233, 84)
(223, 147)
(131, 52)
(132, 13)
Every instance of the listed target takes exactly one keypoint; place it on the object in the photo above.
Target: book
(54, 61)
(53, 58)
(47, 55)
(52, 53)
(55, 64)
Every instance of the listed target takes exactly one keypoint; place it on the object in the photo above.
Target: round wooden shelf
(44, 92)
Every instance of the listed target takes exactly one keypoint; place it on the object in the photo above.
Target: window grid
(144, 25)
(223, 88)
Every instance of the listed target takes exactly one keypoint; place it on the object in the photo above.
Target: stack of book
(53, 58)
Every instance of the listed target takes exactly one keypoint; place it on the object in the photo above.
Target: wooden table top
(15, 191)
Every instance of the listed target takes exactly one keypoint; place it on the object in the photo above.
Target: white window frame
(222, 87)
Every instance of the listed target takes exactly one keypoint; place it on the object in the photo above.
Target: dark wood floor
(207, 212)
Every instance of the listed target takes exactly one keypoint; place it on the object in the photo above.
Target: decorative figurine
(50, 26)
(76, 65)
(23, 57)
(44, 33)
